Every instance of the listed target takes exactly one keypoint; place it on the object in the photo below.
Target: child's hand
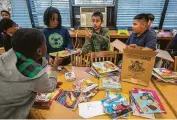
(57, 61)
(51, 61)
(132, 46)
(89, 35)
(78, 51)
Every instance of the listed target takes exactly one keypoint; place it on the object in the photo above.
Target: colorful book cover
(169, 80)
(63, 53)
(110, 83)
(126, 96)
(69, 99)
(148, 101)
(46, 97)
(90, 72)
(104, 67)
(87, 87)
(45, 100)
(116, 106)
(164, 73)
(70, 76)
(136, 112)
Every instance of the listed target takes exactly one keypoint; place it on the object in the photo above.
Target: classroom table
(169, 93)
(79, 72)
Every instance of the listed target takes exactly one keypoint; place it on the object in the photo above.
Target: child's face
(54, 21)
(96, 20)
(138, 27)
(5, 15)
(11, 30)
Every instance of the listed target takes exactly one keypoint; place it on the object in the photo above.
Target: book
(87, 87)
(147, 101)
(69, 99)
(104, 67)
(169, 80)
(165, 73)
(119, 45)
(63, 53)
(111, 83)
(116, 106)
(126, 96)
(70, 76)
(90, 72)
(44, 100)
(136, 112)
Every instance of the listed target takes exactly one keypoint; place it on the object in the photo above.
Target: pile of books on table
(165, 75)
(146, 103)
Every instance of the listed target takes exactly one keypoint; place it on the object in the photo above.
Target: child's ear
(39, 52)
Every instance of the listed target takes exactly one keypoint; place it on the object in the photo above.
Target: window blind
(126, 11)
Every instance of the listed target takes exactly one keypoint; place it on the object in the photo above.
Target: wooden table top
(79, 72)
(113, 34)
(169, 92)
(2, 50)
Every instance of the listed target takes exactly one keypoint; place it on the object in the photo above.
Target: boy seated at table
(98, 39)
(21, 74)
(9, 27)
(142, 35)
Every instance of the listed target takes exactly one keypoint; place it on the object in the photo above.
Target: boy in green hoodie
(98, 39)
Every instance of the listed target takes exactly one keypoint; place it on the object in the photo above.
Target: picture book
(70, 76)
(116, 106)
(110, 83)
(104, 67)
(46, 97)
(164, 73)
(45, 100)
(169, 80)
(87, 87)
(126, 96)
(148, 101)
(136, 112)
(69, 99)
(63, 53)
(90, 72)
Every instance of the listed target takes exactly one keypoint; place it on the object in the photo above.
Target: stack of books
(145, 103)
(162, 74)
(110, 83)
(102, 69)
(44, 100)
(116, 105)
(87, 87)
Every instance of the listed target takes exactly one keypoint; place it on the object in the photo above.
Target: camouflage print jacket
(98, 42)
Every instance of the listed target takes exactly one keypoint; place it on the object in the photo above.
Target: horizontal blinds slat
(20, 13)
(170, 21)
(93, 2)
(126, 11)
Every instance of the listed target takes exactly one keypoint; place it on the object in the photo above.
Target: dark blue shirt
(57, 39)
(147, 39)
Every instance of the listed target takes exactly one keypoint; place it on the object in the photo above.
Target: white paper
(91, 109)
(118, 44)
(164, 55)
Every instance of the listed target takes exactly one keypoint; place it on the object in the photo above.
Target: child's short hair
(151, 16)
(49, 12)
(27, 40)
(7, 23)
(99, 14)
(5, 12)
(142, 16)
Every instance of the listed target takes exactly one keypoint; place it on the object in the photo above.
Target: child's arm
(45, 84)
(151, 40)
(68, 38)
(104, 38)
(87, 46)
